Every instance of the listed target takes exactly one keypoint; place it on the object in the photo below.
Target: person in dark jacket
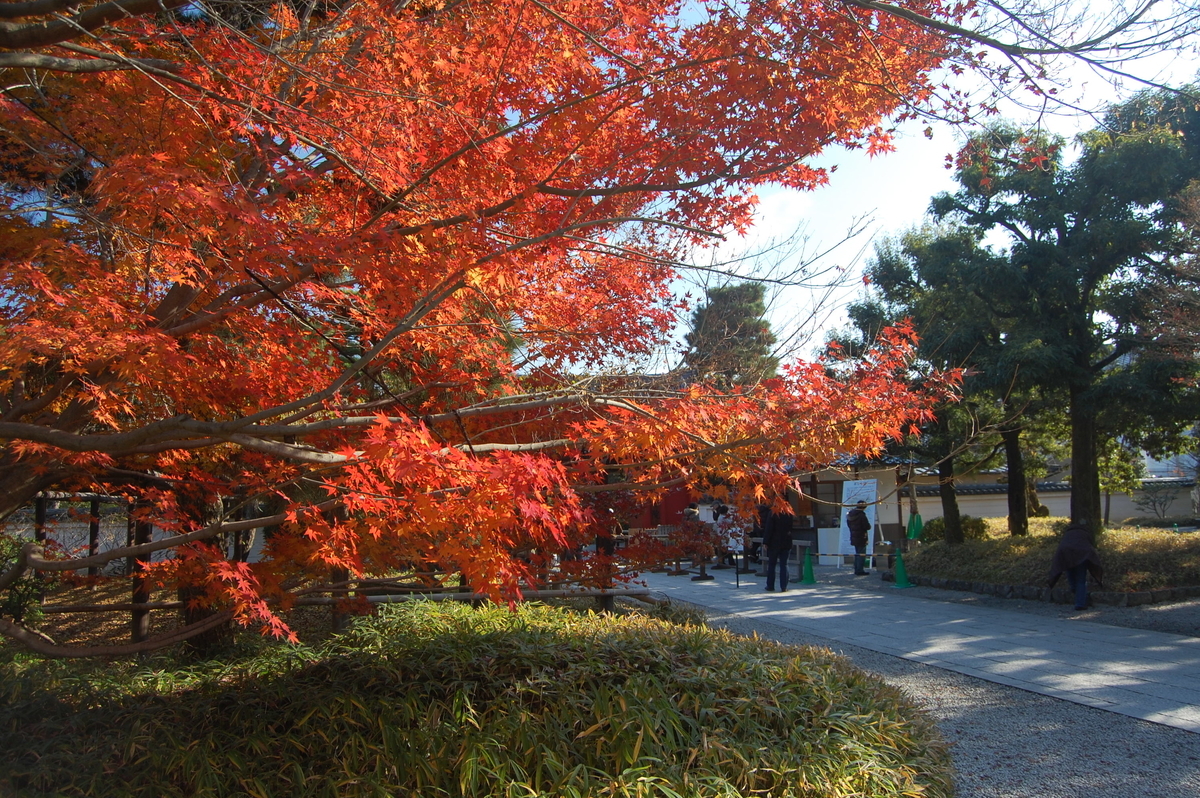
(777, 540)
(762, 520)
(860, 527)
(1076, 556)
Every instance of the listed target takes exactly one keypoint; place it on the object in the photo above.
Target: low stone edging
(1058, 595)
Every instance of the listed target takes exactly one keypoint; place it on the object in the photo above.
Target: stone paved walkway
(1150, 675)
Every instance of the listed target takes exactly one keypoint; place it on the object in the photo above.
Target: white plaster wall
(995, 505)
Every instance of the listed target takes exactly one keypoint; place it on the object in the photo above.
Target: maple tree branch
(251, 296)
(609, 487)
(450, 285)
(20, 565)
(79, 65)
(344, 422)
(114, 442)
(15, 36)
(255, 436)
(289, 451)
(48, 397)
(588, 36)
(421, 308)
(397, 198)
(32, 8)
(657, 188)
(538, 446)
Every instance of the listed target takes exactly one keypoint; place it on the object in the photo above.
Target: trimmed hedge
(442, 700)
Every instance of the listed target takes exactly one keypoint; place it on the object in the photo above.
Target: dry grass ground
(1135, 559)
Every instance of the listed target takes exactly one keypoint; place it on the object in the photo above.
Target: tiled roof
(864, 463)
(983, 489)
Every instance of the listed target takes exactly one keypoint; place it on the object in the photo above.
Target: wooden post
(606, 546)
(129, 535)
(39, 519)
(240, 549)
(139, 619)
(39, 535)
(94, 535)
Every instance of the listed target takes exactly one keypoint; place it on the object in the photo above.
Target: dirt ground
(108, 627)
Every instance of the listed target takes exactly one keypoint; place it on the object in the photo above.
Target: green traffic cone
(901, 574)
(808, 579)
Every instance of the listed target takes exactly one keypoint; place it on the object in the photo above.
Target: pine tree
(731, 340)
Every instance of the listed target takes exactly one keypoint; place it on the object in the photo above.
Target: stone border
(1058, 595)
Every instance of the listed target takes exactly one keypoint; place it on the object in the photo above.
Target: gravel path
(1009, 743)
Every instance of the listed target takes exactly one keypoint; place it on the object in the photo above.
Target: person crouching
(1076, 557)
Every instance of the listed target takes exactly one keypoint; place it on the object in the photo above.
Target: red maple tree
(353, 260)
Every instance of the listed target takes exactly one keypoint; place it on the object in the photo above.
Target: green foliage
(973, 529)
(1156, 498)
(21, 601)
(1076, 297)
(730, 339)
(1134, 559)
(1086, 302)
(1121, 467)
(445, 700)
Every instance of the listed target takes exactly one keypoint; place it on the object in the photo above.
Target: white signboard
(854, 491)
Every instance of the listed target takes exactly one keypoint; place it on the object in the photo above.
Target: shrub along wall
(440, 700)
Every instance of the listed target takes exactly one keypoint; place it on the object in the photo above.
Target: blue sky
(892, 191)
(888, 194)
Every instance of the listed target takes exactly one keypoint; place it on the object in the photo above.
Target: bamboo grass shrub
(441, 700)
(1134, 558)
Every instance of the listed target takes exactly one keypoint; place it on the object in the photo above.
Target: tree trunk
(214, 641)
(1036, 508)
(1085, 471)
(210, 643)
(1018, 506)
(950, 514)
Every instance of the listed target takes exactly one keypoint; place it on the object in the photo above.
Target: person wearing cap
(860, 528)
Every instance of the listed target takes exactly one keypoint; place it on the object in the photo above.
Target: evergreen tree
(1076, 292)
(730, 339)
(926, 276)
